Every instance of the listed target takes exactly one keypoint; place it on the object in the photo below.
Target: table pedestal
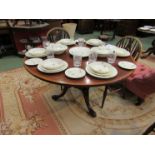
(85, 92)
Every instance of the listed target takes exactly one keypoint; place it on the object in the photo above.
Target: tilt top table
(84, 83)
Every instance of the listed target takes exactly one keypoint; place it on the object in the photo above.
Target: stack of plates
(100, 50)
(101, 70)
(33, 61)
(67, 42)
(153, 30)
(121, 52)
(53, 65)
(94, 42)
(36, 52)
(57, 48)
(144, 28)
(80, 51)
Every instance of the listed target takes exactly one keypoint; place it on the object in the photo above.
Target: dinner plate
(57, 48)
(52, 63)
(36, 53)
(75, 73)
(27, 54)
(94, 42)
(148, 26)
(121, 52)
(80, 51)
(99, 68)
(144, 28)
(127, 65)
(153, 30)
(112, 72)
(33, 61)
(100, 50)
(40, 68)
(66, 41)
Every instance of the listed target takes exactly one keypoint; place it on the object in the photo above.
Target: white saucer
(127, 65)
(33, 61)
(75, 73)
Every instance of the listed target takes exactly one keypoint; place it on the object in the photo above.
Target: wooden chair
(134, 46)
(141, 82)
(56, 34)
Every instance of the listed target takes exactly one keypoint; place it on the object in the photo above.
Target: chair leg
(123, 92)
(104, 96)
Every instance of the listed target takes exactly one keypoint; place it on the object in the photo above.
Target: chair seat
(141, 82)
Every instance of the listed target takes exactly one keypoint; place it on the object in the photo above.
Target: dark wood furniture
(26, 34)
(6, 41)
(83, 84)
(150, 50)
(127, 27)
(132, 44)
(56, 34)
(108, 24)
(85, 26)
(150, 129)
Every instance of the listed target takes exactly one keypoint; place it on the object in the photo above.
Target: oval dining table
(84, 83)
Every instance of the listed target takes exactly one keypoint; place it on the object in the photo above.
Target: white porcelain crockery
(121, 52)
(36, 52)
(94, 42)
(101, 70)
(100, 50)
(75, 73)
(58, 48)
(80, 51)
(53, 65)
(33, 61)
(67, 41)
(127, 65)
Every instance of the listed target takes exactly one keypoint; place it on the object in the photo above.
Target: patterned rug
(26, 107)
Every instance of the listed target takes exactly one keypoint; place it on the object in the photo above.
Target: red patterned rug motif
(26, 107)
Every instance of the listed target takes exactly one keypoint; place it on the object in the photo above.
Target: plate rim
(31, 59)
(39, 67)
(87, 42)
(71, 43)
(75, 77)
(97, 76)
(125, 67)
(70, 52)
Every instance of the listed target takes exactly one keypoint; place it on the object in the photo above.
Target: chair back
(132, 44)
(56, 34)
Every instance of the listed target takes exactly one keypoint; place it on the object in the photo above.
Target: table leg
(149, 51)
(104, 95)
(63, 92)
(85, 92)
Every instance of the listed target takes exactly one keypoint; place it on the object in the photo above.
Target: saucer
(75, 73)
